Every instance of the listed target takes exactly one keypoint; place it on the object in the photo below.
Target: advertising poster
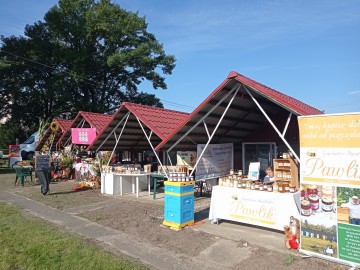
(217, 160)
(85, 136)
(330, 187)
(186, 158)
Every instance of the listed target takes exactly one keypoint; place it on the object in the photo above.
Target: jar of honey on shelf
(248, 184)
(275, 187)
(281, 187)
(286, 187)
(292, 188)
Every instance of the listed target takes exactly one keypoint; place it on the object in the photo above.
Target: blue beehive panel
(179, 202)
(179, 216)
(176, 189)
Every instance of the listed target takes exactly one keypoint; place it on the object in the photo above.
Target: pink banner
(83, 135)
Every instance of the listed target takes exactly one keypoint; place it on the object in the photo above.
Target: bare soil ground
(142, 220)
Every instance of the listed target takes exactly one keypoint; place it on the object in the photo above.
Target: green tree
(86, 55)
(9, 132)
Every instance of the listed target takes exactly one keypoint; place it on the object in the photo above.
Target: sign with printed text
(330, 179)
(186, 158)
(271, 210)
(84, 136)
(42, 162)
(217, 160)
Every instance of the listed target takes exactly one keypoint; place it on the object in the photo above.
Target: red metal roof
(93, 120)
(158, 120)
(274, 100)
(63, 124)
(96, 120)
(291, 103)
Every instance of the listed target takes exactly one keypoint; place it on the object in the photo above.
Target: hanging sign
(84, 136)
(330, 182)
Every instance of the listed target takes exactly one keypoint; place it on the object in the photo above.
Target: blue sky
(309, 50)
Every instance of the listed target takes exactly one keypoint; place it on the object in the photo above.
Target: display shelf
(286, 170)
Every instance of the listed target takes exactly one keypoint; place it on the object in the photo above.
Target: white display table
(261, 208)
(112, 183)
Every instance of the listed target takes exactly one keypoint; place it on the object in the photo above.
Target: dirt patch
(62, 196)
(143, 221)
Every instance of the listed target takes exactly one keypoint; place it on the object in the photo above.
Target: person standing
(354, 210)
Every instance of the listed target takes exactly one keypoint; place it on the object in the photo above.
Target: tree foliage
(86, 55)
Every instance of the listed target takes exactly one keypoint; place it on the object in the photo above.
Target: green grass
(29, 243)
(315, 245)
(289, 259)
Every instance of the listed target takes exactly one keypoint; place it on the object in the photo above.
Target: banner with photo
(217, 160)
(330, 187)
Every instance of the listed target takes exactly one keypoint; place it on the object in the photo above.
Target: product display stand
(286, 170)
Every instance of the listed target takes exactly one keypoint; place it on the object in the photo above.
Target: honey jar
(327, 204)
(286, 187)
(252, 186)
(221, 181)
(313, 189)
(302, 193)
(306, 208)
(275, 187)
(314, 201)
(236, 183)
(292, 188)
(281, 187)
(327, 191)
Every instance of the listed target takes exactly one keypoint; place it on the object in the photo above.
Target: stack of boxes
(179, 204)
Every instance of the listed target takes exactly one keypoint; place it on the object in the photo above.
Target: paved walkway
(211, 258)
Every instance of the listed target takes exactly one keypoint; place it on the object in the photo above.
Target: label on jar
(306, 212)
(327, 207)
(327, 204)
(306, 208)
